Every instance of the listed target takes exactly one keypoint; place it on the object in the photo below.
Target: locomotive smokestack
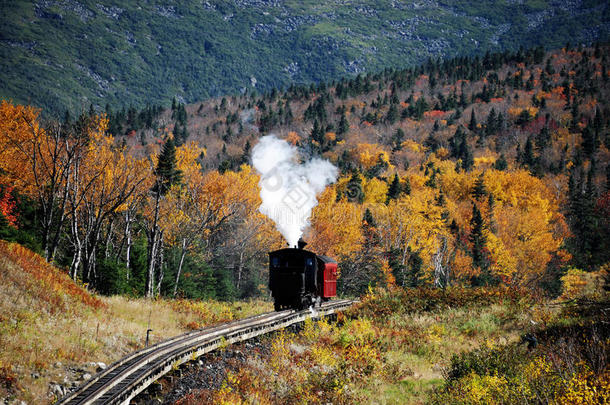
(301, 243)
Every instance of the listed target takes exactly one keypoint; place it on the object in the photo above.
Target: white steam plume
(289, 188)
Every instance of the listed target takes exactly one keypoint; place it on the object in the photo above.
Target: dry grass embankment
(390, 349)
(52, 330)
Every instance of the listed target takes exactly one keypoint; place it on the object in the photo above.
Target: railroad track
(126, 378)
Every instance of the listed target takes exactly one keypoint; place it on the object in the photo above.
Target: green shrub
(487, 361)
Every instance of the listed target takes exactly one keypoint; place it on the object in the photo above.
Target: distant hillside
(393, 109)
(67, 54)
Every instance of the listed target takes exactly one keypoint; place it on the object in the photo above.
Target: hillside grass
(50, 326)
(456, 346)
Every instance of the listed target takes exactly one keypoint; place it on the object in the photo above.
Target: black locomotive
(299, 278)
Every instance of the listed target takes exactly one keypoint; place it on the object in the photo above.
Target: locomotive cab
(292, 277)
(299, 278)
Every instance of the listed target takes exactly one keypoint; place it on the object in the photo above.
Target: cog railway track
(126, 378)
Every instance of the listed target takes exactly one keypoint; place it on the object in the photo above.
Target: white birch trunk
(182, 255)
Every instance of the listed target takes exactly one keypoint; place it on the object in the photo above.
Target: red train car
(327, 277)
(299, 278)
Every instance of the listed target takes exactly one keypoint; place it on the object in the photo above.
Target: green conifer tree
(392, 115)
(501, 163)
(472, 125)
(492, 122)
(394, 190)
(528, 154)
(343, 126)
(166, 171)
(477, 238)
(354, 190)
(479, 189)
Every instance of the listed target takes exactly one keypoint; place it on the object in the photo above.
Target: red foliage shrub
(434, 114)
(8, 207)
(536, 125)
(193, 325)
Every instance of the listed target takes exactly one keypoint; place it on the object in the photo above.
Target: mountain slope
(60, 54)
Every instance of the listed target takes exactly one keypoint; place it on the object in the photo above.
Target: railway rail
(126, 378)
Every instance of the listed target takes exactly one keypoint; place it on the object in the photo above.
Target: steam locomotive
(299, 278)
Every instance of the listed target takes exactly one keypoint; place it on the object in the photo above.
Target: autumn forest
(470, 171)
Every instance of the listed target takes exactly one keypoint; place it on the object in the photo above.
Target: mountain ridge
(66, 54)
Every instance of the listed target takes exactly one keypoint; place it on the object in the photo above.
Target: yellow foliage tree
(368, 155)
(335, 226)
(375, 191)
(411, 224)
